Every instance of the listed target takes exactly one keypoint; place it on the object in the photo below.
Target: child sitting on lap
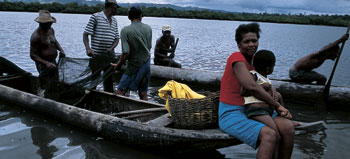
(264, 63)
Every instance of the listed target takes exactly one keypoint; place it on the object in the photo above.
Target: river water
(203, 44)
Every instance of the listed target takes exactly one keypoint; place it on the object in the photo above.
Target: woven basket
(195, 113)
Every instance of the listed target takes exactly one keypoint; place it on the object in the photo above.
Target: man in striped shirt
(103, 29)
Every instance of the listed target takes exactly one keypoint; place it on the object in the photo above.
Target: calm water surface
(203, 44)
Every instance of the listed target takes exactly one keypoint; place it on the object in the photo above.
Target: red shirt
(230, 89)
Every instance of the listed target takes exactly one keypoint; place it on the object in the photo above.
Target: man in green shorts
(136, 40)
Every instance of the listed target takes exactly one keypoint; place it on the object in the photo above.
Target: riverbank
(329, 20)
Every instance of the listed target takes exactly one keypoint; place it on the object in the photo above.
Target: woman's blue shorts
(233, 121)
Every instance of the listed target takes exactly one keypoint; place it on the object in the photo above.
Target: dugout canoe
(140, 124)
(339, 97)
(130, 121)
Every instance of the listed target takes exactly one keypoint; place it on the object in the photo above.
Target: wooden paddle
(328, 85)
(142, 111)
(13, 76)
(177, 40)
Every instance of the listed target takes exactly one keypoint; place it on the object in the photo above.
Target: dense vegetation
(334, 20)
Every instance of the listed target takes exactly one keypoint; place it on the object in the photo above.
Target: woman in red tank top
(232, 119)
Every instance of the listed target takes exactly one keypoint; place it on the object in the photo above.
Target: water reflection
(312, 144)
(42, 138)
(53, 139)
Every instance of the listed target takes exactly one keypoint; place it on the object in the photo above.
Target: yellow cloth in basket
(178, 90)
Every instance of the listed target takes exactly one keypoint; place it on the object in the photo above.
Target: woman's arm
(245, 92)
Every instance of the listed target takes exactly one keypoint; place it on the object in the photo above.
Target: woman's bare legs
(267, 140)
(267, 120)
(286, 130)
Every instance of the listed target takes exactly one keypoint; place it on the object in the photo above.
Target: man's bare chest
(47, 41)
(165, 44)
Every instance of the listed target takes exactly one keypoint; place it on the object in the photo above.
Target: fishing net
(73, 76)
(77, 75)
(85, 73)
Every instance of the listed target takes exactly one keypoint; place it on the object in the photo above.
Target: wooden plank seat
(163, 120)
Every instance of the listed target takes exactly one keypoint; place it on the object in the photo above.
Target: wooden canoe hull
(139, 133)
(134, 133)
(339, 97)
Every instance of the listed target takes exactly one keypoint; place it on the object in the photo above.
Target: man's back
(308, 62)
(302, 70)
(316, 59)
(137, 42)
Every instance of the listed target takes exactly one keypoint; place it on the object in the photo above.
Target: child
(264, 63)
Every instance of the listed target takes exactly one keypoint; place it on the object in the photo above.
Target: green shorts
(255, 111)
(304, 76)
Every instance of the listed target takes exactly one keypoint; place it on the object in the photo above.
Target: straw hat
(45, 17)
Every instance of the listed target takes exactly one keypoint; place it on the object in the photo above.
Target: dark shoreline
(75, 8)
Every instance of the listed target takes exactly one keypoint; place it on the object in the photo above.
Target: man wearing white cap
(103, 29)
(44, 46)
(164, 45)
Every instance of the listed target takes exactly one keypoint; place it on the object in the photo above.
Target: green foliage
(76, 7)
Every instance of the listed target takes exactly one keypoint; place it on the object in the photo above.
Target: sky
(340, 7)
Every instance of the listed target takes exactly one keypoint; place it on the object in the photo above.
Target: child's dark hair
(263, 59)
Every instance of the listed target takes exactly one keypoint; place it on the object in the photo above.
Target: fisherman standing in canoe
(164, 45)
(301, 71)
(43, 48)
(232, 119)
(103, 29)
(136, 40)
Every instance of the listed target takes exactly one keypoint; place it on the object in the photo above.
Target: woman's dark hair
(263, 59)
(246, 28)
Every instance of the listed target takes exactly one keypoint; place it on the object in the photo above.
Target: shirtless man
(162, 49)
(44, 46)
(301, 71)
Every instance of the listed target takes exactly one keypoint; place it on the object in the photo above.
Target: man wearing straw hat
(103, 29)
(44, 46)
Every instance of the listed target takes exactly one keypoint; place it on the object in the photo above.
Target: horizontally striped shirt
(103, 34)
